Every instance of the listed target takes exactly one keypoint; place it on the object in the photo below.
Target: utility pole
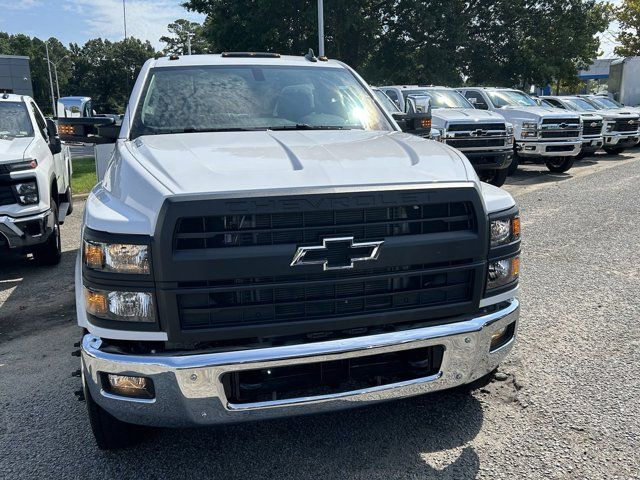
(55, 72)
(53, 100)
(321, 28)
(124, 16)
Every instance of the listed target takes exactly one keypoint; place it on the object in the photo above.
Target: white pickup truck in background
(542, 135)
(485, 138)
(35, 181)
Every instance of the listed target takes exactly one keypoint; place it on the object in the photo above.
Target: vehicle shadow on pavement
(32, 296)
(421, 437)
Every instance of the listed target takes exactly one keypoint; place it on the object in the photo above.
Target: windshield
(606, 102)
(239, 97)
(580, 105)
(442, 98)
(386, 102)
(14, 120)
(511, 98)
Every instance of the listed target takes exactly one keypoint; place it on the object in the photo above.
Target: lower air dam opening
(331, 377)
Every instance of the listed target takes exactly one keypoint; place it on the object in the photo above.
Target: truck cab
(542, 135)
(593, 123)
(484, 137)
(35, 181)
(288, 252)
(622, 124)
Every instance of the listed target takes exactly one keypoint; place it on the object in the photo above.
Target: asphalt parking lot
(566, 405)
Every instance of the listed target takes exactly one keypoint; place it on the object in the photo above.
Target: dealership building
(15, 75)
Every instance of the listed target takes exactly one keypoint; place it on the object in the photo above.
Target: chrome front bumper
(621, 139)
(539, 148)
(21, 232)
(188, 390)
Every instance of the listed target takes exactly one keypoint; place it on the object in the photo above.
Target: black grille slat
(556, 121)
(466, 127)
(476, 142)
(308, 227)
(560, 134)
(264, 304)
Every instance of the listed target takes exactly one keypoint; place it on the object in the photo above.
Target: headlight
(505, 230)
(116, 257)
(609, 127)
(27, 192)
(118, 305)
(510, 129)
(530, 125)
(22, 165)
(503, 272)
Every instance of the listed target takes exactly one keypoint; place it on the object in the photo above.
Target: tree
(107, 71)
(34, 48)
(628, 16)
(178, 42)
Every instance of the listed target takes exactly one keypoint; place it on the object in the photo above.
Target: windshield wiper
(306, 126)
(222, 129)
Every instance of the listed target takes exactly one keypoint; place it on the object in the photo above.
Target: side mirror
(55, 145)
(97, 130)
(416, 123)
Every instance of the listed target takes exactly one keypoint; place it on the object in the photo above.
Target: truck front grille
(476, 143)
(6, 195)
(303, 227)
(592, 129)
(253, 301)
(625, 126)
(223, 266)
(468, 136)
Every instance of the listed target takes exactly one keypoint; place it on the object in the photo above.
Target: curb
(80, 196)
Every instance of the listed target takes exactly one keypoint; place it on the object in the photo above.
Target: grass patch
(84, 174)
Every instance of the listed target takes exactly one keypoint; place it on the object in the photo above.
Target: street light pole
(124, 16)
(53, 100)
(189, 35)
(321, 28)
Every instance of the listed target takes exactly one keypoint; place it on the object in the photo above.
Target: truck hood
(240, 161)
(466, 115)
(12, 150)
(538, 112)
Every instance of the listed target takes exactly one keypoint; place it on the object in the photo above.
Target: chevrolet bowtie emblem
(337, 253)
(479, 133)
(563, 125)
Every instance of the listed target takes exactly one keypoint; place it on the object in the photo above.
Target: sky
(80, 20)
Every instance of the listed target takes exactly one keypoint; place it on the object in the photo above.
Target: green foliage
(178, 42)
(103, 70)
(628, 16)
(84, 176)
(508, 42)
(107, 71)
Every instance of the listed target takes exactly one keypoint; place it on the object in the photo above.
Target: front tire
(561, 164)
(495, 177)
(109, 432)
(50, 252)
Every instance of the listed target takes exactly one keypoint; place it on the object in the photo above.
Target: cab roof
(12, 97)
(247, 58)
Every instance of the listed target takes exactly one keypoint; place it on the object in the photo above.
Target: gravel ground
(567, 407)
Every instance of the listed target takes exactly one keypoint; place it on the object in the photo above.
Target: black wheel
(614, 150)
(109, 432)
(50, 252)
(494, 177)
(560, 164)
(513, 166)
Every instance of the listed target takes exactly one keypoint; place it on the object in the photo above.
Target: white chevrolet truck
(622, 124)
(280, 251)
(484, 137)
(35, 181)
(542, 135)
